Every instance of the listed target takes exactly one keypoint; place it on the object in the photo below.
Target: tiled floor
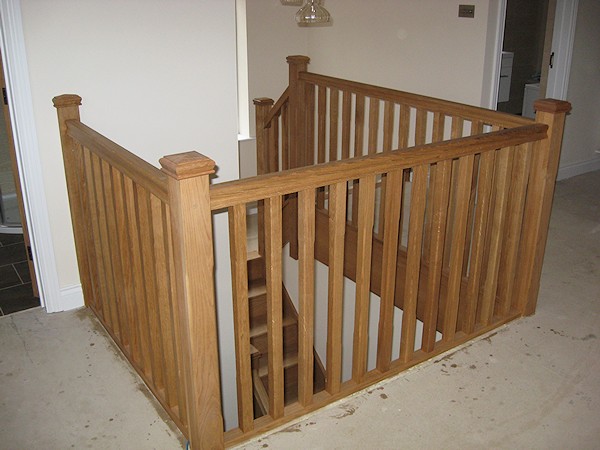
(15, 282)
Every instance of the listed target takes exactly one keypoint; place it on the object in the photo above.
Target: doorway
(526, 51)
(559, 34)
(18, 284)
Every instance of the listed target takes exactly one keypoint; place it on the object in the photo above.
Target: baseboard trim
(71, 297)
(572, 170)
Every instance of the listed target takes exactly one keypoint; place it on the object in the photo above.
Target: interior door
(13, 157)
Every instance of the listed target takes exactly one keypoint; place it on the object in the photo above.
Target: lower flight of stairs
(257, 296)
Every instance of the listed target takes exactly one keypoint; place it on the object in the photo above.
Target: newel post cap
(552, 106)
(65, 100)
(187, 165)
(297, 59)
(263, 101)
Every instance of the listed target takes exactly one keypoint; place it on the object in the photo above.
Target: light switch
(466, 11)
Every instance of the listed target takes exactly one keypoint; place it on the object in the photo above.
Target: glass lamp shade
(312, 12)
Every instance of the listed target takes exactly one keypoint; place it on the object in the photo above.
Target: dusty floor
(533, 384)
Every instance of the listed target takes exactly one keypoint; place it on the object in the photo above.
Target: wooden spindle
(484, 190)
(359, 126)
(366, 186)
(437, 234)
(392, 207)
(273, 240)
(337, 231)
(346, 125)
(413, 262)
(306, 289)
(138, 277)
(161, 242)
(501, 181)
(457, 250)
(334, 112)
(241, 315)
(373, 126)
(514, 220)
(150, 301)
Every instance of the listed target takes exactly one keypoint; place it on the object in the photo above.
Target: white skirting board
(574, 169)
(71, 297)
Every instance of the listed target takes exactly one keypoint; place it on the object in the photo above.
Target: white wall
(582, 130)
(420, 46)
(272, 36)
(156, 76)
(415, 45)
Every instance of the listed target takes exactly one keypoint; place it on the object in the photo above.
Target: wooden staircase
(257, 299)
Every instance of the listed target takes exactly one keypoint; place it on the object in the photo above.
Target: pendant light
(312, 13)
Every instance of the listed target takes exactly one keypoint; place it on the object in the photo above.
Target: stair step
(260, 330)
(288, 362)
(256, 289)
(256, 266)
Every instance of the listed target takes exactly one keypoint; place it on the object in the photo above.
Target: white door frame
(563, 37)
(16, 74)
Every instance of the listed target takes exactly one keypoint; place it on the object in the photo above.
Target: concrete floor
(533, 384)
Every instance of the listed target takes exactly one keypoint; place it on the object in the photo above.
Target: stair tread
(257, 288)
(259, 330)
(253, 254)
(288, 361)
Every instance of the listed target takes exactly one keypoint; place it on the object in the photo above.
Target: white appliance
(506, 66)
(532, 93)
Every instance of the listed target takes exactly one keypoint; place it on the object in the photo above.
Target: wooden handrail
(134, 167)
(231, 193)
(418, 101)
(283, 99)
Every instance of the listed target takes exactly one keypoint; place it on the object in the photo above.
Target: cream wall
(272, 36)
(415, 45)
(156, 76)
(420, 46)
(582, 129)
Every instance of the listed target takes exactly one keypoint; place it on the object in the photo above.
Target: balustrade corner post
(540, 193)
(297, 111)
(67, 107)
(191, 219)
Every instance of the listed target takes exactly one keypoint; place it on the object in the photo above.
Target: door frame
(16, 73)
(563, 37)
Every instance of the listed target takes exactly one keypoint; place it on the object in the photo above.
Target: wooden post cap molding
(550, 105)
(263, 101)
(64, 100)
(187, 165)
(297, 59)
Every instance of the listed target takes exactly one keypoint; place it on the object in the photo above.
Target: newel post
(262, 107)
(67, 107)
(540, 192)
(297, 111)
(191, 219)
